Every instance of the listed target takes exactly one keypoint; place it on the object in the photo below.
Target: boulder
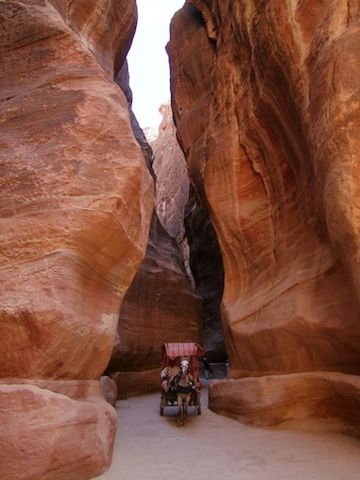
(48, 435)
(327, 401)
(108, 389)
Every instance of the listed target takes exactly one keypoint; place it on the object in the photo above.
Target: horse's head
(184, 366)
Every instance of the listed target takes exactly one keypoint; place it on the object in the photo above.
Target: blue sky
(148, 61)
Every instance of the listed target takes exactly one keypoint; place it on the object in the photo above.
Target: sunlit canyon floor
(210, 447)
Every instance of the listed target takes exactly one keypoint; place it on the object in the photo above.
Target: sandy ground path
(212, 447)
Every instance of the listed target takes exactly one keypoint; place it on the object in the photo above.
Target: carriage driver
(168, 374)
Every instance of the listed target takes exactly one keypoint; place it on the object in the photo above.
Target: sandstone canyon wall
(160, 305)
(183, 215)
(76, 205)
(265, 97)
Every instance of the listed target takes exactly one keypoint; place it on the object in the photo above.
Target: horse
(184, 385)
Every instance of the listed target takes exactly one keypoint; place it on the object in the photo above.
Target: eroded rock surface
(76, 204)
(265, 98)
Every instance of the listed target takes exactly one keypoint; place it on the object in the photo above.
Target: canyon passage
(236, 226)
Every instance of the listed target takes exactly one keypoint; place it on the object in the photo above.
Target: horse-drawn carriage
(180, 382)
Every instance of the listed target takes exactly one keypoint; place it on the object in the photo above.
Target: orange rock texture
(266, 103)
(75, 209)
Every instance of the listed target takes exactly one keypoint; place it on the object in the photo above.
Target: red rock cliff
(76, 204)
(266, 103)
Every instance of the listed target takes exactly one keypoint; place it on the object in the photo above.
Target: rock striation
(265, 100)
(75, 210)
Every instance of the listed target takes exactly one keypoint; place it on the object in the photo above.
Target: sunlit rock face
(265, 98)
(105, 27)
(123, 80)
(172, 179)
(159, 307)
(75, 209)
(171, 185)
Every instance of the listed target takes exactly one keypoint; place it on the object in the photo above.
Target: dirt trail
(212, 447)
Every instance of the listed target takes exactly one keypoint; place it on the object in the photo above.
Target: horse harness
(180, 388)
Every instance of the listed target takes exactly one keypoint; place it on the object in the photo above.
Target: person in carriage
(168, 374)
(180, 382)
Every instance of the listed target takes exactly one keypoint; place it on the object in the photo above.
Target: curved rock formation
(76, 204)
(265, 99)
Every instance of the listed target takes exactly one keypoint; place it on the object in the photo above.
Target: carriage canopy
(191, 350)
(175, 350)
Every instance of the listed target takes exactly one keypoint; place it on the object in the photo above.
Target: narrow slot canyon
(234, 224)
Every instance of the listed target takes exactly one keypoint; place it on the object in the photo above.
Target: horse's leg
(183, 410)
(178, 419)
(186, 404)
(182, 418)
(181, 414)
